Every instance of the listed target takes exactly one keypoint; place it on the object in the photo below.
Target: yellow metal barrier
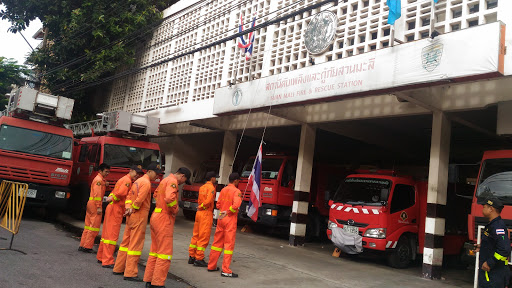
(12, 202)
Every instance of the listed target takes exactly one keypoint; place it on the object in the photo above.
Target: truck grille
(356, 224)
(25, 174)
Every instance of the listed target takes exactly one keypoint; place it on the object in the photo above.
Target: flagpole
(392, 34)
(432, 17)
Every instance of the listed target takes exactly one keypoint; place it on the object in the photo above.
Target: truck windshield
(126, 156)
(205, 168)
(269, 168)
(34, 142)
(496, 180)
(363, 191)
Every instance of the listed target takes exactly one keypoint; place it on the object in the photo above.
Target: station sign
(466, 55)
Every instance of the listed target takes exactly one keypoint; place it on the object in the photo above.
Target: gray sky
(13, 45)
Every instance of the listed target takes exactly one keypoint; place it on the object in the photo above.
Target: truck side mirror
(384, 194)
(327, 195)
(330, 203)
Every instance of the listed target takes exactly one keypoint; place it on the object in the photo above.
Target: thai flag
(255, 184)
(500, 231)
(248, 47)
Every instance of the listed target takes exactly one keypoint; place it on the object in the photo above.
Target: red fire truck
(494, 179)
(123, 142)
(389, 212)
(188, 201)
(36, 149)
(277, 188)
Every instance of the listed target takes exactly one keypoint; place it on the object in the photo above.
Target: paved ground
(268, 261)
(52, 260)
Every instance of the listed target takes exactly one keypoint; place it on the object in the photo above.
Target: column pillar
(226, 162)
(436, 198)
(302, 185)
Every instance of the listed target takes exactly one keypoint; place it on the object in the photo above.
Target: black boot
(200, 263)
(191, 260)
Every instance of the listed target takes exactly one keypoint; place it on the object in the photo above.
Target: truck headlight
(379, 233)
(60, 194)
(271, 212)
(331, 224)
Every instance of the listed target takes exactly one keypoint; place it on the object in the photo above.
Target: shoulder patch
(240, 194)
(127, 184)
(173, 185)
(213, 192)
(98, 183)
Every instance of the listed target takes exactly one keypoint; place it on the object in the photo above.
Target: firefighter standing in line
(204, 221)
(228, 203)
(93, 214)
(494, 248)
(137, 210)
(162, 228)
(114, 217)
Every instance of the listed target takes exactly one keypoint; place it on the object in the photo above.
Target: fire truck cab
(36, 149)
(386, 213)
(494, 179)
(118, 139)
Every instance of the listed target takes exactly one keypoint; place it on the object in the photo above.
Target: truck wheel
(189, 214)
(401, 256)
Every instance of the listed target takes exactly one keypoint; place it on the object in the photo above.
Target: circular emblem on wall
(320, 32)
(237, 97)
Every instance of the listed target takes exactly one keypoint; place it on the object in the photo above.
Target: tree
(86, 39)
(10, 73)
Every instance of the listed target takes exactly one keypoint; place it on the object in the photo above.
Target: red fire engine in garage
(190, 193)
(388, 212)
(123, 142)
(277, 192)
(35, 148)
(494, 179)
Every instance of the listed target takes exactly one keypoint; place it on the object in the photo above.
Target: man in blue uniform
(494, 248)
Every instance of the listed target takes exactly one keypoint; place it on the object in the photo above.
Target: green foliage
(98, 36)
(10, 73)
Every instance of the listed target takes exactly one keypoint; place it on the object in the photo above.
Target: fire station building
(332, 81)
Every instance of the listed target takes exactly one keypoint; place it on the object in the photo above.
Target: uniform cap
(211, 175)
(137, 169)
(234, 176)
(186, 172)
(155, 167)
(493, 202)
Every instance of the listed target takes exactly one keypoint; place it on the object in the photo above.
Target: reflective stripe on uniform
(108, 241)
(115, 198)
(231, 209)
(136, 253)
(135, 207)
(153, 254)
(500, 258)
(165, 257)
(201, 248)
(111, 203)
(158, 210)
(128, 202)
(216, 249)
(124, 249)
(228, 252)
(487, 276)
(95, 198)
(172, 203)
(92, 228)
(193, 246)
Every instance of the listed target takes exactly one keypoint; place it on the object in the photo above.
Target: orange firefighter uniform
(139, 199)
(203, 223)
(229, 200)
(113, 219)
(92, 218)
(162, 228)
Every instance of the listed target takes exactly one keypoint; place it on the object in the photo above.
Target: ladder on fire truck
(121, 122)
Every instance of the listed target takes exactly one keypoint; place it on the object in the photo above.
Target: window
(93, 153)
(403, 198)
(83, 153)
(34, 142)
(126, 156)
(290, 170)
